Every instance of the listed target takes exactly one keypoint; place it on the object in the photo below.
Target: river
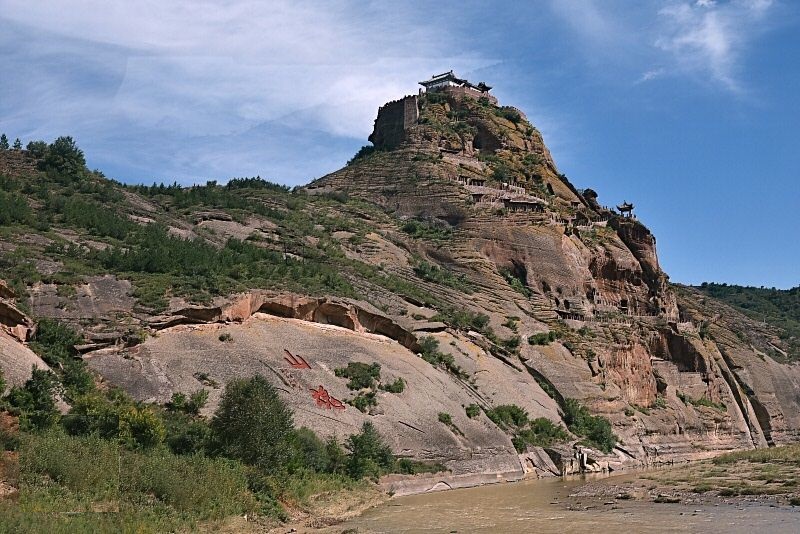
(540, 506)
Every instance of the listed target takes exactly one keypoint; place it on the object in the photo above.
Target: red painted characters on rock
(324, 399)
(298, 362)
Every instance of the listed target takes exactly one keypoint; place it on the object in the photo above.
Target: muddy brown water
(540, 506)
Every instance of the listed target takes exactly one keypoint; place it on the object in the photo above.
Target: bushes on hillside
(369, 454)
(252, 424)
(168, 466)
(35, 402)
(429, 351)
(361, 375)
(14, 209)
(596, 429)
(539, 432)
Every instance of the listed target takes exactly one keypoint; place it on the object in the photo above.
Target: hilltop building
(625, 209)
(449, 82)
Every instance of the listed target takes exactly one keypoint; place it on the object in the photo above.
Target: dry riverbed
(769, 476)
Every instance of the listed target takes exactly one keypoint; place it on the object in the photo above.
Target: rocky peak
(484, 169)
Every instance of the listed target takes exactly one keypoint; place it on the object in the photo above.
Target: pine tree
(17, 144)
(3, 142)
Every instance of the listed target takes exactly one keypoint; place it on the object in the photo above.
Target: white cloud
(651, 74)
(205, 68)
(206, 65)
(699, 39)
(710, 38)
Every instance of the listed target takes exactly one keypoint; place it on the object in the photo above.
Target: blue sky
(689, 109)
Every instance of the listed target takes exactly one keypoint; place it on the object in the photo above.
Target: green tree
(190, 405)
(35, 401)
(141, 428)
(369, 455)
(3, 142)
(17, 144)
(253, 424)
(38, 149)
(64, 159)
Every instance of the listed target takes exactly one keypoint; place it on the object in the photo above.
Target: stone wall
(461, 92)
(393, 120)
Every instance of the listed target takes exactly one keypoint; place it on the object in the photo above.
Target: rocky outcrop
(16, 360)
(459, 227)
(12, 320)
(189, 357)
(350, 314)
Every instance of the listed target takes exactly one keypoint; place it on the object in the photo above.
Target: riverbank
(769, 476)
(743, 492)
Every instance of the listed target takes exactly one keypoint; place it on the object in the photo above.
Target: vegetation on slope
(163, 468)
(778, 308)
(90, 225)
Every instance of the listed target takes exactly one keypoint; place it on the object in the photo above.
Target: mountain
(451, 252)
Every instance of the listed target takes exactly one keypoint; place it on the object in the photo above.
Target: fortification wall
(393, 120)
(461, 92)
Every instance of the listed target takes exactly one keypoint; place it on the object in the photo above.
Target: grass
(768, 471)
(152, 491)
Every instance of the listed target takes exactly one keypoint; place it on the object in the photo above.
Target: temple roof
(449, 76)
(625, 206)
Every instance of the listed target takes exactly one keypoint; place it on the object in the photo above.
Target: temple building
(625, 208)
(449, 82)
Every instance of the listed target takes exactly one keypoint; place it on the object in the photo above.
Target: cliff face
(630, 354)
(458, 227)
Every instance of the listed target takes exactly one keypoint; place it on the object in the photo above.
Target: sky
(687, 108)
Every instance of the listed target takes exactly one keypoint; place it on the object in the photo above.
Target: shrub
(439, 275)
(464, 320)
(189, 405)
(511, 344)
(225, 337)
(361, 375)
(508, 415)
(54, 341)
(252, 423)
(509, 113)
(141, 428)
(363, 401)
(429, 351)
(64, 159)
(596, 429)
(35, 400)
(362, 153)
(543, 338)
(539, 432)
(398, 386)
(425, 230)
(369, 455)
(445, 418)
(473, 411)
(14, 209)
(93, 413)
(185, 434)
(308, 452)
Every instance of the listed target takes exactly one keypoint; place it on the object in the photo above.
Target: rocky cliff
(453, 253)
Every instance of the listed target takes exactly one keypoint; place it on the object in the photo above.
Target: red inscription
(298, 362)
(324, 400)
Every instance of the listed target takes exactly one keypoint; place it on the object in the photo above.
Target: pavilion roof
(450, 76)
